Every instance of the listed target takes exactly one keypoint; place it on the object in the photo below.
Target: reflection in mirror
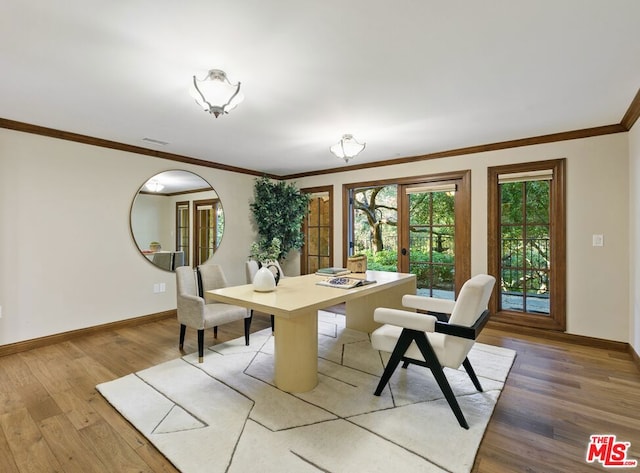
(177, 220)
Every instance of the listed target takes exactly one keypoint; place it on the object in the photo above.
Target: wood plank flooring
(53, 420)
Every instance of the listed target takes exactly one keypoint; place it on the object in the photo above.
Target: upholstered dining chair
(440, 338)
(250, 269)
(163, 259)
(194, 312)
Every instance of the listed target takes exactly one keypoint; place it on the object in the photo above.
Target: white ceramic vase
(264, 280)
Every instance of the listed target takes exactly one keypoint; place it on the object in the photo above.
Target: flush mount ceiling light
(154, 186)
(215, 94)
(347, 148)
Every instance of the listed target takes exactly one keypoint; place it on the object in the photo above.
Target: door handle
(404, 252)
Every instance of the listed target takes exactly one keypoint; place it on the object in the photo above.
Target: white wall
(67, 258)
(634, 248)
(597, 203)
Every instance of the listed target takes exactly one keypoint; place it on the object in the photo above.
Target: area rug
(226, 415)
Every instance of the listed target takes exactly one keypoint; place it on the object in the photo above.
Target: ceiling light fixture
(154, 186)
(215, 94)
(347, 148)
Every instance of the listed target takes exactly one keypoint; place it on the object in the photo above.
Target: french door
(206, 235)
(317, 251)
(415, 225)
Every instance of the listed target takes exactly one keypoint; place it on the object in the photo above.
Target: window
(527, 243)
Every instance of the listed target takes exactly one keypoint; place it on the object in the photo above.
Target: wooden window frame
(556, 320)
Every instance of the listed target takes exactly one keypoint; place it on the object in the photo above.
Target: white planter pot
(264, 281)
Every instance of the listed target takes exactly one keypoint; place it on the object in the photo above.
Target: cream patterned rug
(226, 415)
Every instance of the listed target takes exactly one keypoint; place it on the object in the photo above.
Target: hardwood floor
(53, 420)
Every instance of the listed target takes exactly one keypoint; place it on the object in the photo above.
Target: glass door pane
(374, 226)
(317, 229)
(206, 233)
(429, 248)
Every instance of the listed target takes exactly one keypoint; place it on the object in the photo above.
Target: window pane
(511, 203)
(537, 201)
(313, 212)
(323, 245)
(312, 264)
(313, 241)
(443, 208)
(324, 211)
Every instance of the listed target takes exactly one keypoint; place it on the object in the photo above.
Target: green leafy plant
(263, 251)
(279, 209)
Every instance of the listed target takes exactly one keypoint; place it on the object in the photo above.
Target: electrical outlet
(156, 288)
(163, 287)
(598, 240)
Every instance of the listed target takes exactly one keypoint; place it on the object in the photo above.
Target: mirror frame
(182, 187)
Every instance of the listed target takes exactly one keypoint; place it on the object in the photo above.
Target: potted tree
(279, 208)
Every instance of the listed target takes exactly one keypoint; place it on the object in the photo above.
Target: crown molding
(90, 140)
(563, 136)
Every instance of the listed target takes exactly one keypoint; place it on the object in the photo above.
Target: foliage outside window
(526, 243)
(418, 225)
(375, 226)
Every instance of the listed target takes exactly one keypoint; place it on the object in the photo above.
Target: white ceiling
(408, 77)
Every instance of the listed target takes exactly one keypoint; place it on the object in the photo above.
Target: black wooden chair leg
(215, 332)
(396, 357)
(273, 324)
(438, 373)
(183, 329)
(247, 326)
(472, 374)
(200, 346)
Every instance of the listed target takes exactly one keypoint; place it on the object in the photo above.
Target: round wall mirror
(176, 220)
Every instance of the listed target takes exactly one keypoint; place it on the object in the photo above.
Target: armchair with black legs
(440, 338)
(194, 312)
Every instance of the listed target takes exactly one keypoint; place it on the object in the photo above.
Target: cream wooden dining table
(295, 303)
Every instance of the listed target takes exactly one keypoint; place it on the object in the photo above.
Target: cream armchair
(440, 338)
(195, 313)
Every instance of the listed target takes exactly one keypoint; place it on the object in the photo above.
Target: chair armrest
(462, 331)
(405, 319)
(429, 304)
(190, 310)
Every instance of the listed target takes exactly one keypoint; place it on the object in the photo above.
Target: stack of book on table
(336, 277)
(332, 271)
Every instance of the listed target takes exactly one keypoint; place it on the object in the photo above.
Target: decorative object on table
(155, 246)
(266, 255)
(279, 208)
(357, 263)
(332, 271)
(264, 280)
(344, 283)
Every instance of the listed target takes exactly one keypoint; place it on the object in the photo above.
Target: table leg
(359, 311)
(296, 352)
